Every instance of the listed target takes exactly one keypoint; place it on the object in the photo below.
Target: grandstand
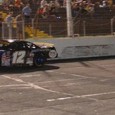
(90, 18)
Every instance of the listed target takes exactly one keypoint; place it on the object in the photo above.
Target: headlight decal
(52, 53)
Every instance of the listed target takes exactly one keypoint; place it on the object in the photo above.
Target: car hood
(3, 43)
(44, 45)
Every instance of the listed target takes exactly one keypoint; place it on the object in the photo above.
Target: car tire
(39, 61)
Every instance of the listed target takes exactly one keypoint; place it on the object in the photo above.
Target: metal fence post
(112, 25)
(23, 28)
(84, 28)
(2, 30)
(33, 26)
(50, 29)
(10, 30)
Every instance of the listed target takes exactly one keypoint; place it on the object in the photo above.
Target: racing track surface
(81, 87)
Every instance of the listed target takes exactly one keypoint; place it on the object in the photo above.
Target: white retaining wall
(69, 48)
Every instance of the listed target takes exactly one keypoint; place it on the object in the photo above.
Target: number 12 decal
(18, 57)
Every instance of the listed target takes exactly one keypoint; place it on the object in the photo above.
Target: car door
(18, 53)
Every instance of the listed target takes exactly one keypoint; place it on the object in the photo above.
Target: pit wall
(82, 47)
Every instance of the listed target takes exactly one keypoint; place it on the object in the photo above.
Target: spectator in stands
(42, 7)
(45, 12)
(64, 3)
(43, 3)
(53, 9)
(61, 2)
(75, 10)
(90, 9)
(79, 1)
(18, 4)
(5, 5)
(25, 1)
(9, 18)
(57, 4)
(102, 4)
(27, 14)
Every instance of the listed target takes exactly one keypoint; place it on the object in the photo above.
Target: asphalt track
(78, 87)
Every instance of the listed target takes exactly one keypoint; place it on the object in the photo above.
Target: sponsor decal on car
(6, 59)
(18, 57)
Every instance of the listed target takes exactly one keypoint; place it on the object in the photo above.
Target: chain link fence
(82, 27)
(58, 28)
(12, 30)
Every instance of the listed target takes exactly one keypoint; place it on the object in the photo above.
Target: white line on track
(79, 76)
(63, 73)
(50, 71)
(72, 74)
(27, 76)
(81, 96)
(70, 96)
(35, 86)
(14, 85)
(106, 65)
(57, 81)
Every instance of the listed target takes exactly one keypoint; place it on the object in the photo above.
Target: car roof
(5, 42)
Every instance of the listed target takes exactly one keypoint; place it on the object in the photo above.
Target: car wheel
(39, 61)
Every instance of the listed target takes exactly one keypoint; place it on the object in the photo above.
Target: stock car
(21, 52)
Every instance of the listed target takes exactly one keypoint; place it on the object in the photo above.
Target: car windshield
(22, 45)
(31, 45)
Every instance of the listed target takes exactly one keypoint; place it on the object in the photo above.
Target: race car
(21, 52)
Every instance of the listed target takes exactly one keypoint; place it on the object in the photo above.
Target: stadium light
(69, 19)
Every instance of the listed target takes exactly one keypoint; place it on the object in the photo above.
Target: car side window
(16, 46)
(21, 45)
(12, 46)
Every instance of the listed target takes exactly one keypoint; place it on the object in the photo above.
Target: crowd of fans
(46, 8)
(28, 9)
(25, 10)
